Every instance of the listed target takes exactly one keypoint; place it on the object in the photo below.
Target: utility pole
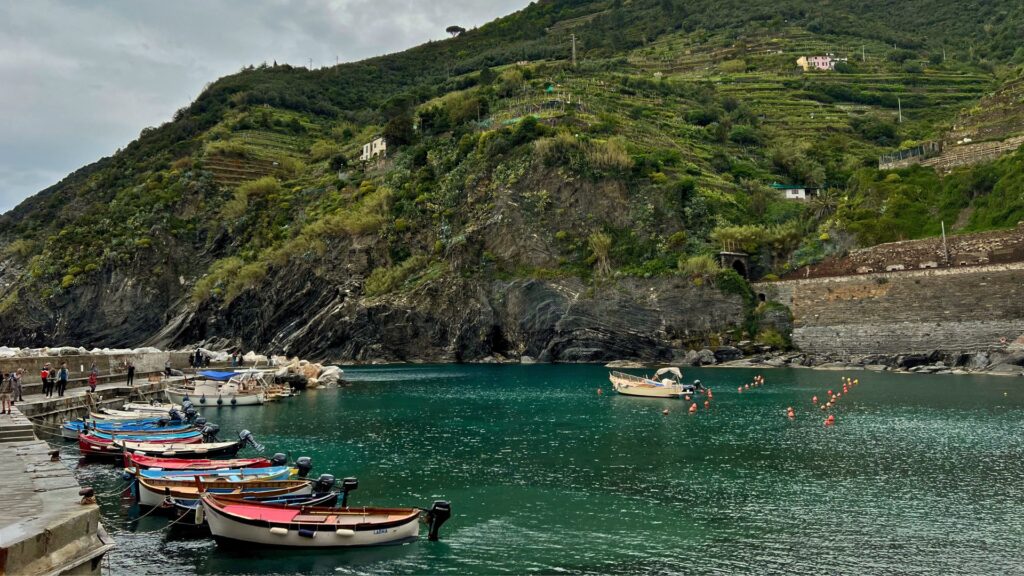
(573, 50)
(899, 105)
(310, 63)
(863, 57)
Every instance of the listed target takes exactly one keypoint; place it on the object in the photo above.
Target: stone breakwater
(968, 318)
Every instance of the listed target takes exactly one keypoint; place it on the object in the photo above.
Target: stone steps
(15, 427)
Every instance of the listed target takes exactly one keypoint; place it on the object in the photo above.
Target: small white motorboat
(666, 383)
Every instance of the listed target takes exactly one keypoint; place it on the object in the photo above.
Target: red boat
(90, 445)
(142, 462)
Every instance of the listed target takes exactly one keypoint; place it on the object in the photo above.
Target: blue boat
(145, 437)
(70, 430)
(230, 474)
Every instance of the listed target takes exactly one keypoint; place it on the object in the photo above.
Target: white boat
(666, 383)
(150, 407)
(253, 523)
(245, 388)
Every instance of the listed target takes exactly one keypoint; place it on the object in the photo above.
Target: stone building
(377, 147)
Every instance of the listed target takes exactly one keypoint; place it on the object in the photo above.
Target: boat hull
(91, 446)
(233, 529)
(179, 450)
(151, 493)
(178, 395)
(186, 509)
(142, 462)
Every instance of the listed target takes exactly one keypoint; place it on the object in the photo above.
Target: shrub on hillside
(386, 279)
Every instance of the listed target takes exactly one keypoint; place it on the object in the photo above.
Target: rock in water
(707, 358)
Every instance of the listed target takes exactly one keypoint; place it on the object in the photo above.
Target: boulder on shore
(624, 364)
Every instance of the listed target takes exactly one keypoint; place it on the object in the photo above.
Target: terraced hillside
(514, 178)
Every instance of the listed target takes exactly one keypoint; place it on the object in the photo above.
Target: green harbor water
(920, 475)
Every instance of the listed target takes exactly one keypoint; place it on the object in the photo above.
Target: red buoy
(814, 400)
(599, 392)
(830, 420)
(739, 389)
(707, 404)
(693, 408)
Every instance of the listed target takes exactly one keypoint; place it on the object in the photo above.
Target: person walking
(131, 372)
(5, 396)
(62, 379)
(44, 377)
(16, 386)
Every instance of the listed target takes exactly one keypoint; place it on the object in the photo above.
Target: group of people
(55, 380)
(10, 390)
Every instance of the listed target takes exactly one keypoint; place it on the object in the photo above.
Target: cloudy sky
(80, 79)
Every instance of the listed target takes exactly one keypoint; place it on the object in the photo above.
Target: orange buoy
(687, 397)
(710, 395)
(790, 413)
(693, 408)
(664, 412)
(599, 392)
(707, 404)
(814, 400)
(830, 420)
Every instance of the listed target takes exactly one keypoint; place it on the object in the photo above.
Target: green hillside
(505, 161)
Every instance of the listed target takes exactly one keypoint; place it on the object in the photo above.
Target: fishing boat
(91, 446)
(151, 492)
(666, 383)
(161, 408)
(70, 430)
(247, 523)
(201, 450)
(136, 461)
(229, 474)
(185, 510)
(245, 388)
(145, 435)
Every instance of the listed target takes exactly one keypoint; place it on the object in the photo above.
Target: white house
(795, 191)
(378, 147)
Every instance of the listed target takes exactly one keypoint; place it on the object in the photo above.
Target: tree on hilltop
(455, 30)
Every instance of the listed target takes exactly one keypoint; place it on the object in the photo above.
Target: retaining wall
(948, 309)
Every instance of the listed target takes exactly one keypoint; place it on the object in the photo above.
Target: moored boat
(138, 461)
(244, 388)
(91, 446)
(666, 383)
(185, 509)
(70, 430)
(152, 492)
(201, 450)
(228, 474)
(233, 522)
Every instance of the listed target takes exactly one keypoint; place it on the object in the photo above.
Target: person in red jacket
(44, 375)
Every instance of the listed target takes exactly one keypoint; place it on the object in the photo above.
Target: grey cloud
(80, 79)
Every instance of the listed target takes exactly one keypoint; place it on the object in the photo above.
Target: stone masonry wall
(948, 309)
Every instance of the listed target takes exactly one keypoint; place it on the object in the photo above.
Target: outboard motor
(200, 422)
(278, 459)
(190, 413)
(323, 484)
(304, 464)
(347, 485)
(186, 404)
(175, 414)
(438, 514)
(245, 437)
(210, 432)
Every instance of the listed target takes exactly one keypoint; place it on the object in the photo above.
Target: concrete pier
(44, 527)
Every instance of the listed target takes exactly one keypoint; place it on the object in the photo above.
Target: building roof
(778, 186)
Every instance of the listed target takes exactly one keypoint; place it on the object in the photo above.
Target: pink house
(826, 62)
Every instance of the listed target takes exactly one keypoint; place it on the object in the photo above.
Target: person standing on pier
(16, 386)
(44, 376)
(131, 372)
(93, 378)
(5, 396)
(62, 377)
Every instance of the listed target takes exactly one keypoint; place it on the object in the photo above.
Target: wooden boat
(151, 492)
(91, 446)
(185, 510)
(142, 462)
(150, 407)
(666, 383)
(70, 430)
(203, 450)
(229, 474)
(247, 523)
(147, 435)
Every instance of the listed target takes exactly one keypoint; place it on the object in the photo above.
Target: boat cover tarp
(669, 370)
(216, 375)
